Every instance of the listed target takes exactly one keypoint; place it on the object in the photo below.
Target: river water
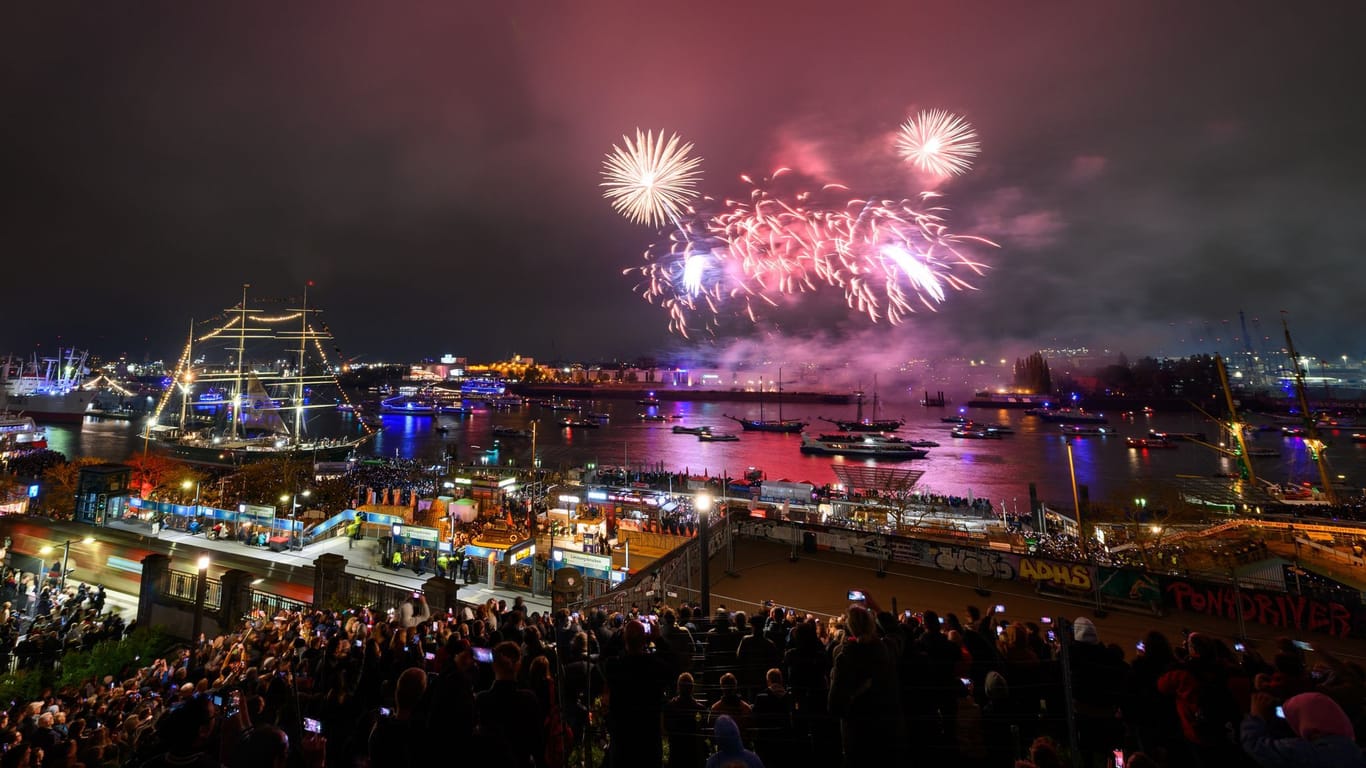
(1000, 470)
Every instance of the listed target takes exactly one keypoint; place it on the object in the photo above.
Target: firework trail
(651, 180)
(938, 142)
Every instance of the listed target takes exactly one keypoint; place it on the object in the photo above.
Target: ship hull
(215, 456)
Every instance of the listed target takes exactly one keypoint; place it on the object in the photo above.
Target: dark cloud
(434, 167)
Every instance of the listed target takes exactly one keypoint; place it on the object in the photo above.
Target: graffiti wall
(1273, 609)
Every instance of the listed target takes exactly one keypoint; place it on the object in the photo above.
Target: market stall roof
(862, 478)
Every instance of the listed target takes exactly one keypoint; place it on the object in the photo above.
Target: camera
(1000, 608)
(1239, 647)
(1280, 711)
(430, 656)
(384, 712)
(857, 595)
(1140, 646)
(313, 726)
(1045, 619)
(484, 655)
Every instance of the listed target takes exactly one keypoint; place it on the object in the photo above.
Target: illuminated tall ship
(277, 373)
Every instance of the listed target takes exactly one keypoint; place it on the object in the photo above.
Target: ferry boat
(717, 437)
(648, 401)
(679, 429)
(502, 431)
(572, 423)
(1149, 443)
(1085, 430)
(1067, 415)
(971, 431)
(20, 433)
(865, 445)
(652, 417)
(1007, 400)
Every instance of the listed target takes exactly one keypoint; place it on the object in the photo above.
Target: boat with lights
(862, 445)
(284, 372)
(860, 424)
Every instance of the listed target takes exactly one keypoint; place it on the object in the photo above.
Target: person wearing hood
(1323, 734)
(730, 750)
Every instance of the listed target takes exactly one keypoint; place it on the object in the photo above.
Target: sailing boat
(860, 424)
(765, 425)
(252, 427)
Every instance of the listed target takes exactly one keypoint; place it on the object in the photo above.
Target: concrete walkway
(361, 560)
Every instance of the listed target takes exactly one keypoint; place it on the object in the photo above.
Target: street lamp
(1076, 502)
(293, 500)
(186, 486)
(201, 591)
(702, 503)
(66, 556)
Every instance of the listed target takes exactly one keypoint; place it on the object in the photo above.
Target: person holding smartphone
(414, 611)
(864, 691)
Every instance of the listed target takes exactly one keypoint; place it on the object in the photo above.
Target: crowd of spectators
(498, 685)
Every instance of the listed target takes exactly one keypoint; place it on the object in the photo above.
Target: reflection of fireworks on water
(938, 142)
(652, 179)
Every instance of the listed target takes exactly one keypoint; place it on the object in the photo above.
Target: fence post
(329, 570)
(155, 569)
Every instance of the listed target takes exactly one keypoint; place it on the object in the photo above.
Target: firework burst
(938, 142)
(650, 180)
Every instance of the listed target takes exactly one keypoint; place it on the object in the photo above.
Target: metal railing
(180, 585)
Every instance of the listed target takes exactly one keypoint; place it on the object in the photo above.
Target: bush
(113, 657)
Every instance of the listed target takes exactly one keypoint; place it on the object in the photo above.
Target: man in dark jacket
(510, 721)
(635, 698)
(863, 694)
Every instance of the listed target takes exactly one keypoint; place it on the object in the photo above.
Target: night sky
(1148, 169)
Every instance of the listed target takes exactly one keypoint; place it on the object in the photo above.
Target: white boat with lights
(867, 445)
(1086, 430)
(20, 433)
(48, 388)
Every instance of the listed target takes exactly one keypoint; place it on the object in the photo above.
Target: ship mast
(236, 409)
(1311, 433)
(1234, 426)
(186, 376)
(299, 374)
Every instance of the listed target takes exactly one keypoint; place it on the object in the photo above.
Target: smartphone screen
(430, 656)
(1000, 608)
(384, 711)
(857, 595)
(1045, 619)
(313, 726)
(1302, 645)
(484, 655)
(1280, 711)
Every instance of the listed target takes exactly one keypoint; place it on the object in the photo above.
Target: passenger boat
(648, 401)
(652, 417)
(20, 433)
(971, 431)
(1149, 443)
(679, 429)
(1067, 415)
(502, 431)
(717, 437)
(1085, 430)
(866, 445)
(571, 423)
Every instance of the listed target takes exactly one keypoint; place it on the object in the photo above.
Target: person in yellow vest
(397, 559)
(352, 533)
(441, 562)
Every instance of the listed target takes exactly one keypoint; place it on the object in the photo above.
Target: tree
(154, 474)
(1032, 374)
(62, 481)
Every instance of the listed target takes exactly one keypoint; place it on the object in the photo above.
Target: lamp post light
(186, 485)
(702, 503)
(66, 556)
(293, 499)
(1076, 502)
(201, 591)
